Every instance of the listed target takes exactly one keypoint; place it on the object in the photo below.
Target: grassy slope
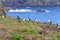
(25, 30)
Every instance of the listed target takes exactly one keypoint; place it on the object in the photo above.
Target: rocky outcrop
(2, 12)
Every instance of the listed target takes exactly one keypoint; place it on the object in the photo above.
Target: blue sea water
(53, 15)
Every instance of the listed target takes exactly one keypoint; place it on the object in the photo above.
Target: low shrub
(15, 36)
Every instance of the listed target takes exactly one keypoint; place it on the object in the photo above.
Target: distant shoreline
(29, 5)
(38, 5)
(14, 7)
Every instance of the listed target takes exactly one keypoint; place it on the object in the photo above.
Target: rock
(2, 12)
(4, 35)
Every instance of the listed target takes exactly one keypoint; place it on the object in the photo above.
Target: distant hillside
(30, 2)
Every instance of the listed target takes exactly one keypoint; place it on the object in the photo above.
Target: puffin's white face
(49, 21)
(2, 16)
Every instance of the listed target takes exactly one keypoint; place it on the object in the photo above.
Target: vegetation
(11, 29)
(15, 36)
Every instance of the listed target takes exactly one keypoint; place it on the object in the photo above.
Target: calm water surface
(53, 15)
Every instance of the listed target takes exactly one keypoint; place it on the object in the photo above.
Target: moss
(15, 36)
